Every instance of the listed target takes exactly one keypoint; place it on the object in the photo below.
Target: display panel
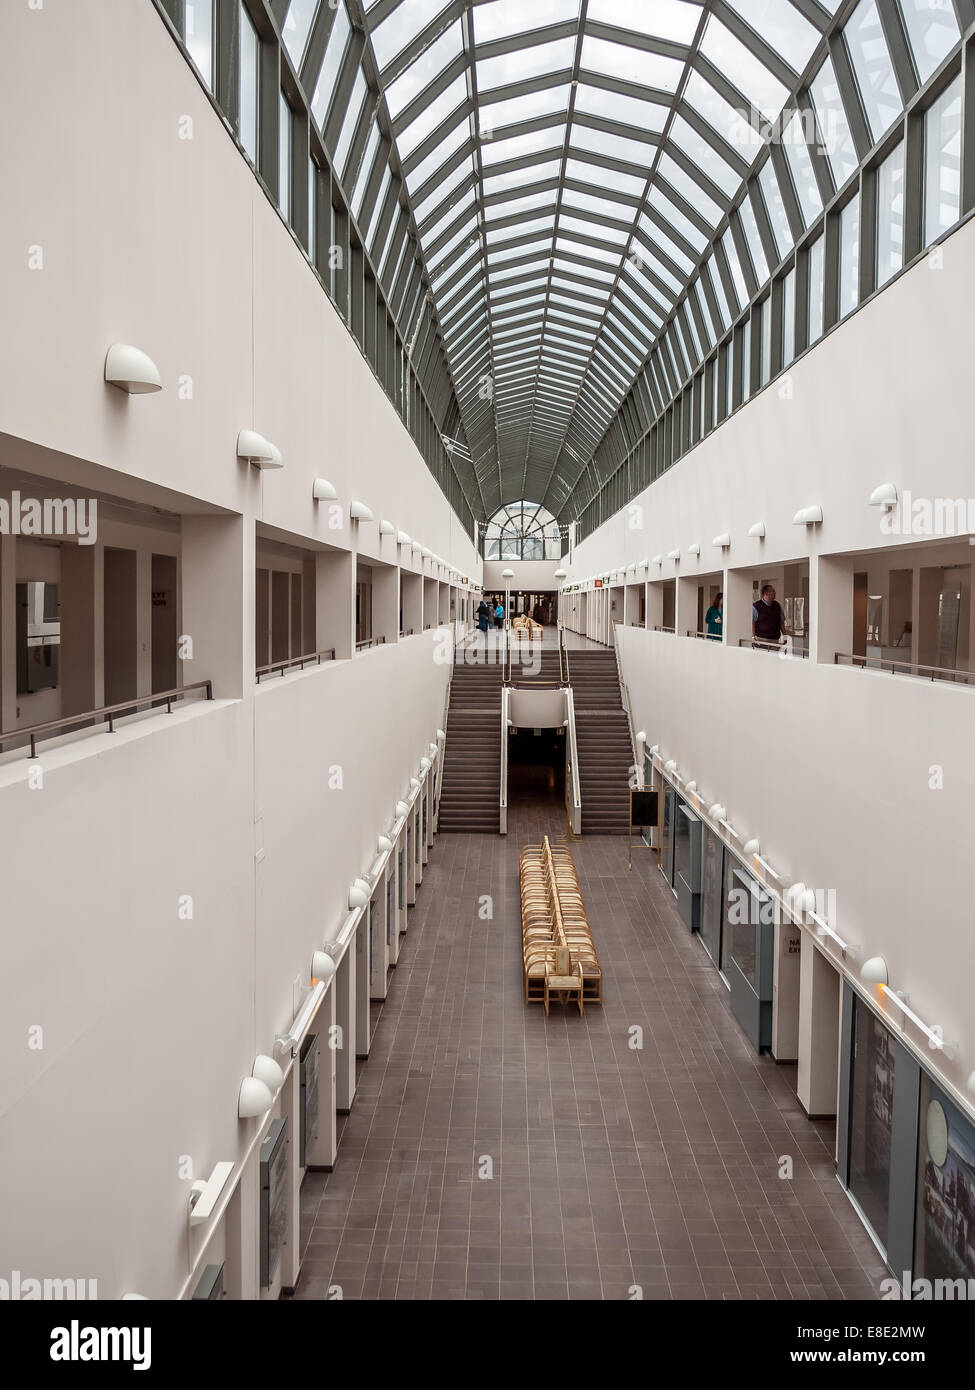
(945, 1220)
(871, 1117)
(308, 1113)
(274, 1198)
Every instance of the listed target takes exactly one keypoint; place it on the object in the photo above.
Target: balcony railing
(659, 628)
(295, 663)
(109, 713)
(905, 668)
(704, 636)
(786, 648)
(368, 642)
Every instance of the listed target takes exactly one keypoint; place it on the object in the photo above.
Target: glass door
(712, 851)
(944, 1246)
(667, 834)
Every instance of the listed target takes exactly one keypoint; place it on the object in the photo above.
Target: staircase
(603, 740)
(470, 793)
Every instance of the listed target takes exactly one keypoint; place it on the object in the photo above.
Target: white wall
(834, 770)
(150, 1020)
(531, 576)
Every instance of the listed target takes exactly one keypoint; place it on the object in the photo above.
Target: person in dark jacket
(714, 619)
(768, 620)
(482, 616)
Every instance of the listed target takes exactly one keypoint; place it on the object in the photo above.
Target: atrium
(487, 651)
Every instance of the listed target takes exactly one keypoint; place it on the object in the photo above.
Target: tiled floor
(494, 1153)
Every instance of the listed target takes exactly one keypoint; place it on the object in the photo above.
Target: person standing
(499, 616)
(768, 620)
(482, 616)
(714, 619)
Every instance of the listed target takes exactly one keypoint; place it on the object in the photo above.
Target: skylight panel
(327, 78)
(834, 128)
(451, 215)
(782, 27)
(431, 117)
(506, 17)
(402, 26)
(523, 63)
(571, 268)
(933, 31)
(354, 110)
(597, 175)
(689, 189)
(755, 250)
(734, 265)
(675, 20)
(586, 137)
(704, 155)
(800, 163)
(496, 115)
(417, 177)
(581, 248)
(874, 71)
(663, 241)
(537, 224)
(642, 260)
(377, 209)
(424, 69)
(552, 138)
(659, 201)
(365, 169)
(752, 78)
(717, 284)
(498, 277)
(775, 208)
(604, 206)
(516, 178)
(631, 64)
(567, 223)
(534, 202)
(501, 256)
(615, 106)
(731, 124)
(296, 28)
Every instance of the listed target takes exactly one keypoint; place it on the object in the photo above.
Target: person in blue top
(714, 619)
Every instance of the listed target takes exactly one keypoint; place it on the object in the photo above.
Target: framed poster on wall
(944, 1238)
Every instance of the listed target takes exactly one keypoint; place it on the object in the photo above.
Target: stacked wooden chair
(560, 957)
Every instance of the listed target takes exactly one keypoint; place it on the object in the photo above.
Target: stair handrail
(625, 691)
(573, 787)
(503, 807)
(564, 648)
(438, 775)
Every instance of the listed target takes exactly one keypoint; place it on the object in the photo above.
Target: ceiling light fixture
(131, 370)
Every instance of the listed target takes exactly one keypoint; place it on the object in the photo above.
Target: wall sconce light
(655, 750)
(384, 845)
(386, 528)
(874, 971)
(363, 885)
(257, 450)
(507, 574)
(885, 496)
(322, 966)
(426, 764)
(131, 370)
(357, 898)
(403, 539)
(674, 555)
(690, 788)
(267, 1070)
(560, 574)
(360, 512)
(441, 736)
(722, 542)
(751, 848)
(641, 737)
(323, 491)
(657, 560)
(254, 1099)
(717, 811)
(808, 516)
(414, 784)
(670, 766)
(757, 532)
(402, 809)
(694, 549)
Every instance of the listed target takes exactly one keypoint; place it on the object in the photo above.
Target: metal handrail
(300, 662)
(659, 628)
(370, 642)
(714, 636)
(563, 680)
(782, 647)
(626, 705)
(909, 668)
(109, 712)
(573, 786)
(503, 805)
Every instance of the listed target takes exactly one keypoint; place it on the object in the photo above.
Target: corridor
(616, 1169)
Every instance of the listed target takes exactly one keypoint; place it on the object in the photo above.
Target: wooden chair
(563, 979)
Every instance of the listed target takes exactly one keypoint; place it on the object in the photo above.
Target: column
(819, 1036)
(218, 603)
